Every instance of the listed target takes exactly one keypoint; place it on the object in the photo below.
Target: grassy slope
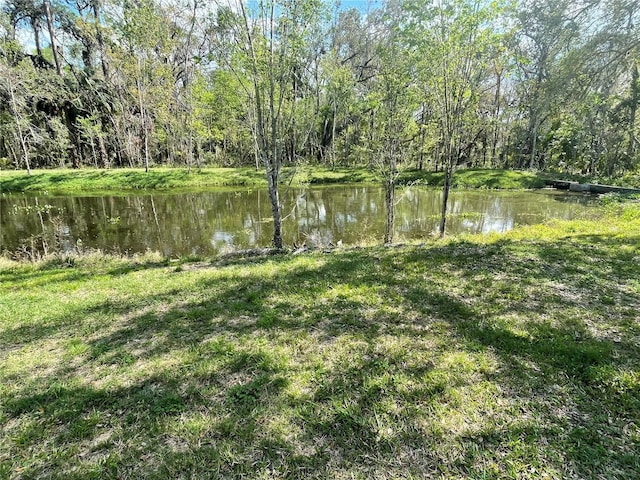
(505, 356)
(88, 180)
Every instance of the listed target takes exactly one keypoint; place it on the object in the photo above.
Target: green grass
(92, 180)
(482, 178)
(482, 357)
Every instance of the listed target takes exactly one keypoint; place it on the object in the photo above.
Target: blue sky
(361, 5)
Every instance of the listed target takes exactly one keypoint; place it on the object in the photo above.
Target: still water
(216, 221)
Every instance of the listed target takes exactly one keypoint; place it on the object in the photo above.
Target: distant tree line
(549, 84)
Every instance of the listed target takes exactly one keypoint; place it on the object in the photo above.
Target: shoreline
(105, 181)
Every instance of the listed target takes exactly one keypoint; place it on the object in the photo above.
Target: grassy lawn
(100, 180)
(92, 180)
(502, 356)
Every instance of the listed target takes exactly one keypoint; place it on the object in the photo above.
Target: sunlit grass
(501, 356)
(93, 180)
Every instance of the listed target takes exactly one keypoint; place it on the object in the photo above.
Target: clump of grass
(499, 356)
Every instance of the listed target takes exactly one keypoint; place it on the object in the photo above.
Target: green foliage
(501, 84)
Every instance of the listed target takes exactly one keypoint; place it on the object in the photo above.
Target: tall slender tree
(272, 40)
(455, 40)
(394, 101)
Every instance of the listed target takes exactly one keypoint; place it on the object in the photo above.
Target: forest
(548, 85)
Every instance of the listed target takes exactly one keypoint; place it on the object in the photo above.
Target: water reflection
(208, 222)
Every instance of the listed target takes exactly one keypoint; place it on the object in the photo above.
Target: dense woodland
(547, 84)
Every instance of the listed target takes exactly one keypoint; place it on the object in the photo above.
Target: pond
(214, 221)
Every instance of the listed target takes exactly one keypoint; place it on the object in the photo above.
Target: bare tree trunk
(54, 48)
(496, 113)
(36, 36)
(534, 145)
(635, 98)
(390, 204)
(103, 55)
(448, 172)
(274, 196)
(45, 249)
(16, 157)
(93, 153)
(273, 171)
(146, 149)
(333, 135)
(143, 118)
(25, 151)
(423, 135)
(104, 157)
(255, 152)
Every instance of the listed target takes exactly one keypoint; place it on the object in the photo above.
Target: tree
(15, 87)
(274, 37)
(27, 94)
(394, 102)
(455, 40)
(555, 86)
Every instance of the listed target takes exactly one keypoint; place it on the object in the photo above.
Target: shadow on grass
(342, 367)
(63, 269)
